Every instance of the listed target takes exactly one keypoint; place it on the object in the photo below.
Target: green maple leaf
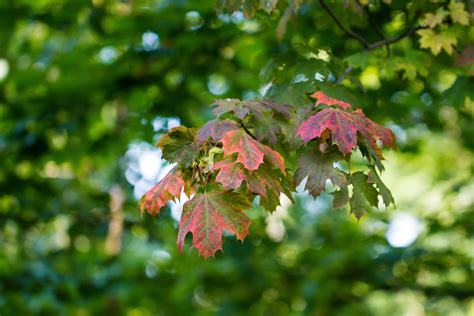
(458, 14)
(341, 197)
(374, 178)
(363, 196)
(179, 145)
(318, 167)
(207, 214)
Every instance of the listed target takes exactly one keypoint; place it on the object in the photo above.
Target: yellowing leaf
(458, 14)
(434, 19)
(436, 42)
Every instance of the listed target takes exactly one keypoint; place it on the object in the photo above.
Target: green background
(86, 88)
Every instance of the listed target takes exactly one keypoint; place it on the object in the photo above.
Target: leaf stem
(247, 131)
(201, 178)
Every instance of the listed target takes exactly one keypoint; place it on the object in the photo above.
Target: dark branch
(374, 25)
(349, 32)
(396, 38)
(368, 46)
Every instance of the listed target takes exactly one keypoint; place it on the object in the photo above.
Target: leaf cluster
(266, 149)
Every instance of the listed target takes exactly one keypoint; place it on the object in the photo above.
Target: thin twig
(344, 75)
(349, 32)
(201, 178)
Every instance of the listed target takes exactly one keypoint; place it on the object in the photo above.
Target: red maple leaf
(167, 189)
(231, 174)
(324, 99)
(261, 181)
(207, 214)
(250, 152)
(385, 135)
(344, 127)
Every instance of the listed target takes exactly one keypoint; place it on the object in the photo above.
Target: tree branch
(374, 25)
(348, 31)
(396, 38)
(344, 75)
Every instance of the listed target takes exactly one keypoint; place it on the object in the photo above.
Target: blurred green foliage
(81, 81)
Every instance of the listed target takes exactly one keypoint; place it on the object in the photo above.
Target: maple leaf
(256, 108)
(363, 196)
(436, 42)
(231, 105)
(274, 185)
(374, 178)
(318, 167)
(457, 12)
(343, 126)
(267, 125)
(179, 145)
(207, 214)
(231, 174)
(264, 182)
(434, 19)
(322, 98)
(264, 117)
(214, 130)
(385, 135)
(167, 189)
(250, 152)
(341, 197)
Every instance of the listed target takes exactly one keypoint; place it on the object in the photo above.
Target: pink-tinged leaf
(342, 125)
(167, 189)
(207, 214)
(250, 152)
(230, 175)
(260, 181)
(214, 130)
(322, 98)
